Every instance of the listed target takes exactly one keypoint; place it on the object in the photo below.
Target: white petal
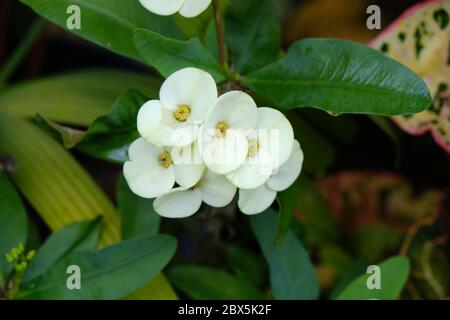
(188, 164)
(257, 200)
(289, 172)
(224, 155)
(192, 87)
(151, 124)
(236, 108)
(178, 203)
(145, 176)
(254, 172)
(275, 134)
(193, 8)
(216, 190)
(162, 7)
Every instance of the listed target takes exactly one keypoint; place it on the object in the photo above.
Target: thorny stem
(219, 33)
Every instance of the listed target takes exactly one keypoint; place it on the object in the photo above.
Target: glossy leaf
(286, 203)
(53, 182)
(169, 55)
(210, 284)
(137, 214)
(109, 274)
(292, 274)
(74, 237)
(107, 23)
(109, 137)
(420, 40)
(342, 77)
(253, 36)
(76, 98)
(393, 275)
(13, 224)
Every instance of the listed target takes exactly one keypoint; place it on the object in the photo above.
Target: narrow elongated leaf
(342, 77)
(109, 137)
(393, 274)
(60, 190)
(109, 274)
(109, 23)
(253, 36)
(137, 214)
(75, 98)
(210, 284)
(292, 274)
(74, 237)
(13, 224)
(286, 202)
(169, 55)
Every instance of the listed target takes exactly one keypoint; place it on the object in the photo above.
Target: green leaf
(292, 274)
(169, 55)
(75, 98)
(109, 274)
(71, 238)
(210, 284)
(13, 224)
(109, 137)
(53, 182)
(393, 274)
(137, 214)
(107, 23)
(246, 265)
(253, 36)
(286, 202)
(342, 77)
(319, 152)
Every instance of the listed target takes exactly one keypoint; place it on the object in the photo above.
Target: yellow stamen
(221, 129)
(253, 147)
(165, 160)
(182, 113)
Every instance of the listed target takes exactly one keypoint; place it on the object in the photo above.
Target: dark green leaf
(319, 152)
(74, 237)
(210, 284)
(109, 136)
(246, 265)
(253, 36)
(169, 55)
(109, 274)
(286, 202)
(108, 23)
(137, 214)
(292, 274)
(13, 224)
(393, 274)
(342, 77)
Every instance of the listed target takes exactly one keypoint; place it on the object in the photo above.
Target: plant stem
(21, 51)
(219, 32)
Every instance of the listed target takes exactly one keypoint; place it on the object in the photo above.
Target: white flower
(257, 200)
(270, 146)
(215, 190)
(224, 145)
(187, 8)
(175, 119)
(152, 172)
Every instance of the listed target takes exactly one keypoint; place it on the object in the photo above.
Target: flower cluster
(198, 147)
(187, 8)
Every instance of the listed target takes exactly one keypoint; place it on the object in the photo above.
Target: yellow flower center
(165, 160)
(221, 129)
(182, 113)
(253, 147)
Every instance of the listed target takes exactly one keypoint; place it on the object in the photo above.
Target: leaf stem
(21, 51)
(219, 32)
